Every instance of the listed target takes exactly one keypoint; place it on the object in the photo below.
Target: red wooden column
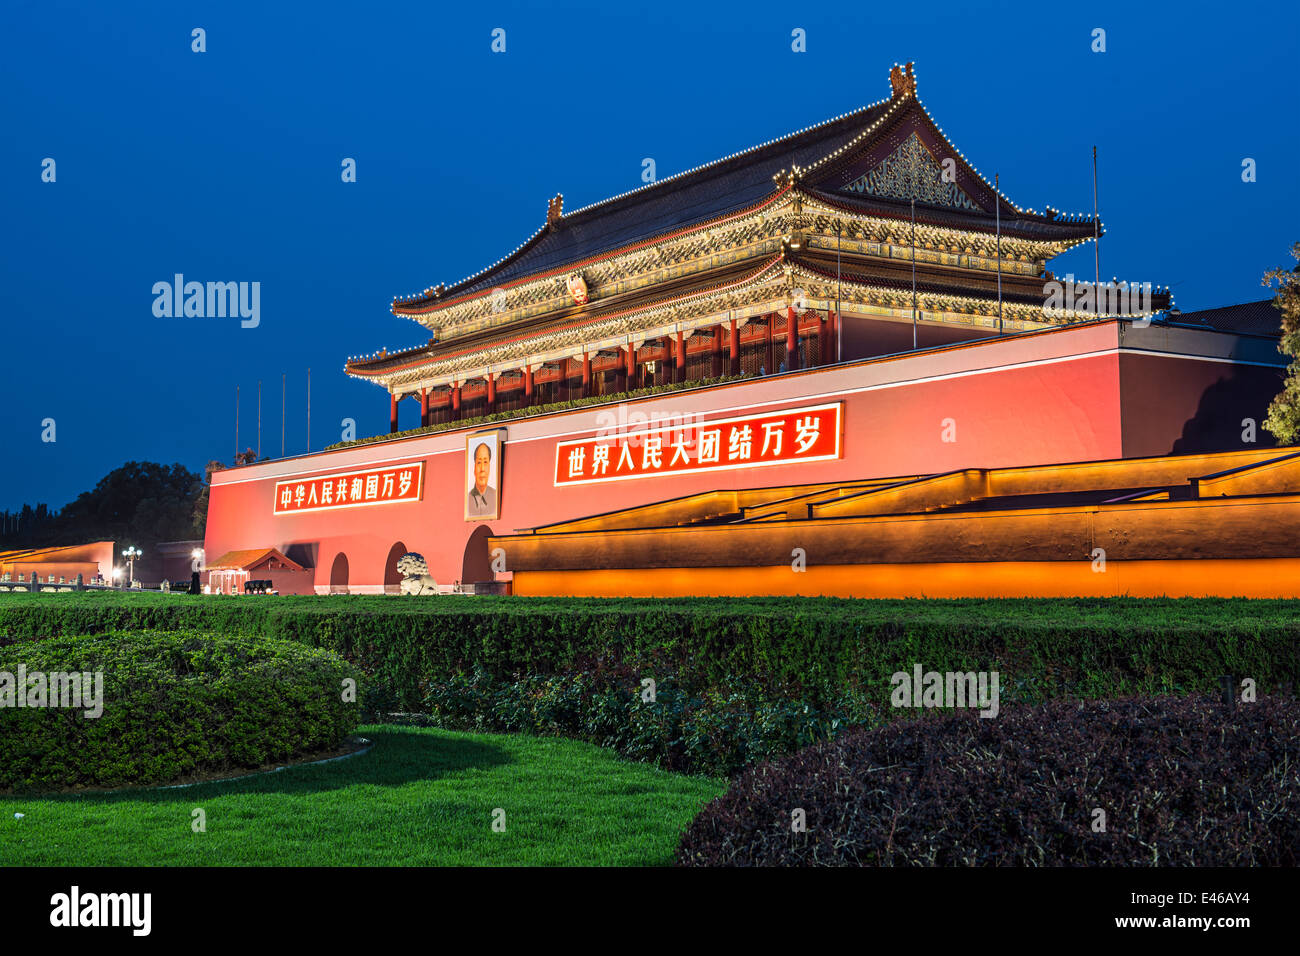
(631, 367)
(679, 373)
(735, 348)
(791, 340)
(769, 360)
(822, 325)
(392, 414)
(424, 408)
(491, 392)
(528, 386)
(717, 351)
(834, 350)
(586, 374)
(455, 401)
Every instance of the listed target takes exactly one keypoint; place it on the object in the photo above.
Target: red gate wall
(1030, 399)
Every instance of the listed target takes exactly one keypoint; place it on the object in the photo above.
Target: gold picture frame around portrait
(483, 452)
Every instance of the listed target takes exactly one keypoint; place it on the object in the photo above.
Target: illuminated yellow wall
(1245, 577)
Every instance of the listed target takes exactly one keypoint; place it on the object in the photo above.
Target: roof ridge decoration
(902, 81)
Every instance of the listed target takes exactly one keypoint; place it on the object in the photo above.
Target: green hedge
(795, 649)
(173, 706)
(38, 616)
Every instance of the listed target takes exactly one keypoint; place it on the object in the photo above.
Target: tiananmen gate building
(849, 308)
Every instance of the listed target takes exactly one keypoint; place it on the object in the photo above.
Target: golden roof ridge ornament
(555, 209)
(902, 81)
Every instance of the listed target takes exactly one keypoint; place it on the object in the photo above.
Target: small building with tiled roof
(231, 571)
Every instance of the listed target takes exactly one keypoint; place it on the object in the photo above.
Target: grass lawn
(420, 797)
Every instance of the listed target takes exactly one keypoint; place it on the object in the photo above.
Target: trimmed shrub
(1182, 782)
(173, 706)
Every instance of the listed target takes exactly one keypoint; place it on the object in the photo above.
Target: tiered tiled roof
(738, 234)
(738, 181)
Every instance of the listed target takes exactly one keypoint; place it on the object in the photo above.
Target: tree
(199, 521)
(140, 503)
(1283, 421)
(200, 512)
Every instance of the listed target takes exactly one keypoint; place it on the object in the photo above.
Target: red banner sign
(350, 489)
(775, 438)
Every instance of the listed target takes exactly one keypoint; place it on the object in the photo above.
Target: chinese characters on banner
(351, 489)
(773, 438)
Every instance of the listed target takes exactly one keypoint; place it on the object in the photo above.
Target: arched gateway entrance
(392, 576)
(339, 574)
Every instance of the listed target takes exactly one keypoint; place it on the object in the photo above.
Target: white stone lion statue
(415, 575)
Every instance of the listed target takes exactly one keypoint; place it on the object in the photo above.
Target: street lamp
(131, 554)
(195, 565)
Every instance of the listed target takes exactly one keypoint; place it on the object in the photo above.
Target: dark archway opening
(477, 565)
(339, 574)
(392, 576)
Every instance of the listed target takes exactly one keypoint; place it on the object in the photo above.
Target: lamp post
(131, 554)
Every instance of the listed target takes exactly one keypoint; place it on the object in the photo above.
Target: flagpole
(309, 411)
(839, 318)
(1096, 233)
(997, 200)
(236, 422)
(914, 272)
(259, 419)
(284, 382)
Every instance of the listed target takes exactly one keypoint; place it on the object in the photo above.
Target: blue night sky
(225, 166)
